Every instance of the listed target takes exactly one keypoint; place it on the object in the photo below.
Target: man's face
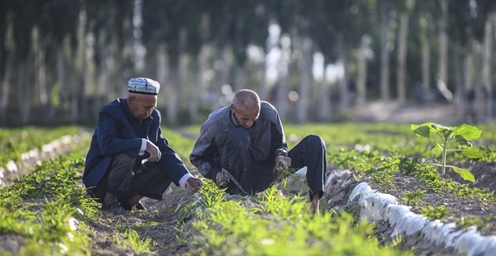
(245, 118)
(142, 105)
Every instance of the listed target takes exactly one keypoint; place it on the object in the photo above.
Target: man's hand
(194, 183)
(154, 152)
(221, 179)
(283, 160)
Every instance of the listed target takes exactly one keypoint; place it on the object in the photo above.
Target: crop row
(51, 212)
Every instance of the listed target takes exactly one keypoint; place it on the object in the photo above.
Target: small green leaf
(421, 131)
(468, 132)
(472, 153)
(464, 173)
(445, 131)
(462, 141)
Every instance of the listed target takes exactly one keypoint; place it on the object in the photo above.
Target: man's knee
(121, 167)
(123, 160)
(314, 140)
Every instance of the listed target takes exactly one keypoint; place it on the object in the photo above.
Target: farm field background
(47, 211)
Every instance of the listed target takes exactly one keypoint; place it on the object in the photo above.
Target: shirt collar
(232, 118)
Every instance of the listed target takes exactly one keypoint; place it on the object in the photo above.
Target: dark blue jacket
(118, 131)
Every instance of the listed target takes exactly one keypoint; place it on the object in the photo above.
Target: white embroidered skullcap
(143, 85)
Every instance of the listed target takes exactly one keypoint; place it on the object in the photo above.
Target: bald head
(246, 108)
(246, 100)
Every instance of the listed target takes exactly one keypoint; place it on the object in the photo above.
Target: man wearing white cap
(128, 157)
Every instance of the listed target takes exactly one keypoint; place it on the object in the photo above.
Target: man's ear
(131, 98)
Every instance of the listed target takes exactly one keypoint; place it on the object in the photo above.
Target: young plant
(413, 197)
(434, 213)
(459, 134)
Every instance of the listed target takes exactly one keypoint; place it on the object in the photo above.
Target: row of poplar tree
(61, 60)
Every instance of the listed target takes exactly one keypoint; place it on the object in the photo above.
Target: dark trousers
(125, 179)
(256, 176)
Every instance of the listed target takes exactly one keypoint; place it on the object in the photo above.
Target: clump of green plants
(270, 224)
(477, 221)
(413, 197)
(131, 239)
(444, 136)
(434, 213)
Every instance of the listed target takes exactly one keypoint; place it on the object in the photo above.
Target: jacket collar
(130, 115)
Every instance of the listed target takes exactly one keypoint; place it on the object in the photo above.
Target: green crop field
(48, 212)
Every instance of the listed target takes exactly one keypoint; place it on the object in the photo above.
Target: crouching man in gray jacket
(240, 145)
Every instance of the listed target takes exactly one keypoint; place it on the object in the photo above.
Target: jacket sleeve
(170, 161)
(108, 137)
(280, 140)
(204, 154)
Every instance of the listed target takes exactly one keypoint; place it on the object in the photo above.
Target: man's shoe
(128, 207)
(113, 207)
(141, 206)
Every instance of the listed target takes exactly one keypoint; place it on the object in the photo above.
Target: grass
(14, 142)
(44, 207)
(269, 224)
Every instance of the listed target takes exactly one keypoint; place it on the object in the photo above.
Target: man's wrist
(184, 179)
(143, 147)
(213, 172)
(281, 152)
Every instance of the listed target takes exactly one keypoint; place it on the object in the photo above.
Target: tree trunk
(199, 67)
(362, 73)
(344, 94)
(40, 76)
(384, 78)
(181, 66)
(324, 108)
(223, 71)
(103, 78)
(166, 77)
(460, 101)
(426, 62)
(74, 86)
(84, 74)
(162, 70)
(305, 73)
(24, 91)
(4, 98)
(239, 77)
(467, 75)
(263, 90)
(486, 67)
(282, 84)
(401, 65)
(171, 96)
(443, 43)
(61, 77)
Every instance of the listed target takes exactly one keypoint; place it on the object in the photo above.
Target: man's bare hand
(154, 152)
(283, 160)
(221, 179)
(194, 183)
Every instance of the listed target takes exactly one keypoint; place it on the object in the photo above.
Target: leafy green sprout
(413, 197)
(459, 134)
(434, 213)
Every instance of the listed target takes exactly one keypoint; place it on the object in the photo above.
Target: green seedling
(461, 135)
(434, 213)
(413, 197)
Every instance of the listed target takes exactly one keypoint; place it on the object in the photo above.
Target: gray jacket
(266, 134)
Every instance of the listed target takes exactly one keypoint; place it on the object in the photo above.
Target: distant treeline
(61, 60)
